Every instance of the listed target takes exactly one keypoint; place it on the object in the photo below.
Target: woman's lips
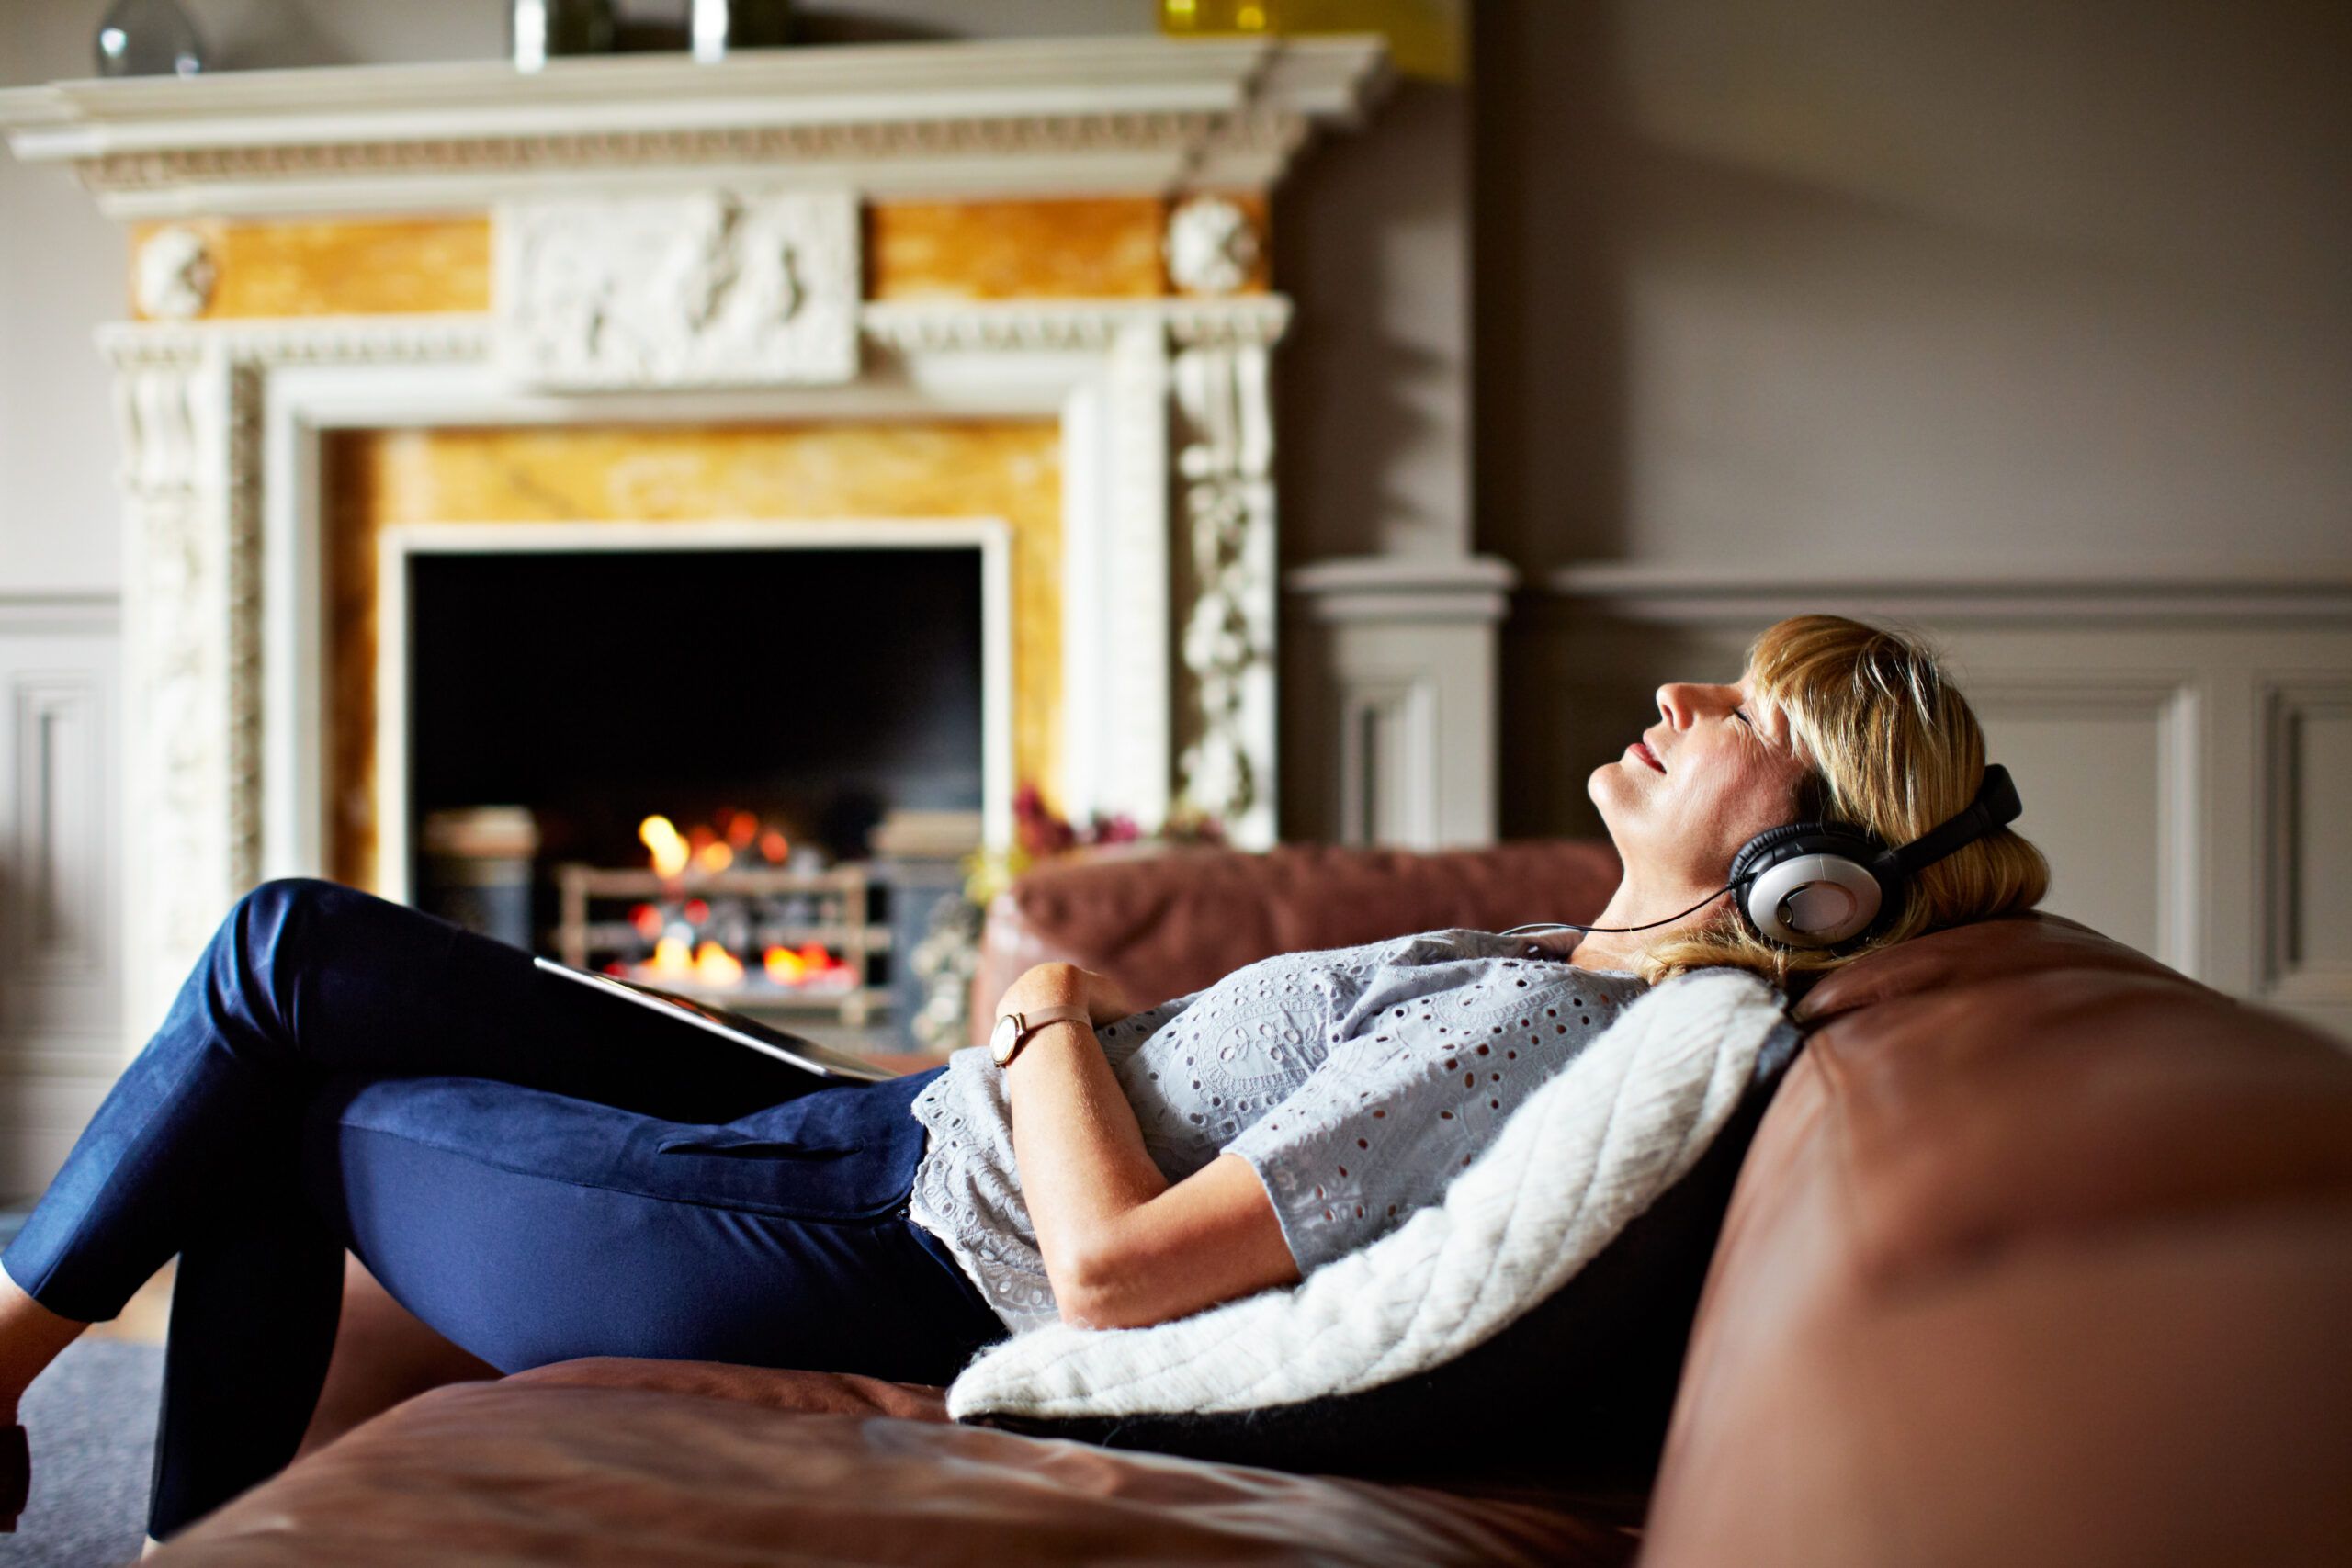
(1641, 748)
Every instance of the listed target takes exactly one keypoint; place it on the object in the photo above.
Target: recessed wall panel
(2095, 773)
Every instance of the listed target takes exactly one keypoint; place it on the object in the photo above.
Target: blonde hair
(1892, 747)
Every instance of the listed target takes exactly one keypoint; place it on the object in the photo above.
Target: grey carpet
(91, 1421)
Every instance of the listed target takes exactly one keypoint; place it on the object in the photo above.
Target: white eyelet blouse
(1356, 1081)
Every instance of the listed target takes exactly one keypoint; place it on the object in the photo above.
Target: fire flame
(660, 834)
(714, 965)
(811, 964)
(702, 849)
(680, 952)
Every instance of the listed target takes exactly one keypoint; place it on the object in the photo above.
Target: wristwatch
(1013, 1028)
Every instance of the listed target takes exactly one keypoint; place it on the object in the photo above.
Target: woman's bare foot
(30, 1337)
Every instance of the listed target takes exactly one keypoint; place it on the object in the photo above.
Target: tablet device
(783, 1045)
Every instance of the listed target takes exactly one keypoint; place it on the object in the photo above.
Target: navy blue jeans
(537, 1169)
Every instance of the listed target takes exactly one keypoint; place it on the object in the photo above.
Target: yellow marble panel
(1012, 250)
(1005, 468)
(343, 267)
(1096, 248)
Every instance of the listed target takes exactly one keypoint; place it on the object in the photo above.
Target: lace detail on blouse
(1356, 1081)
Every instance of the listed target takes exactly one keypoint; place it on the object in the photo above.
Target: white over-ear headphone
(1816, 884)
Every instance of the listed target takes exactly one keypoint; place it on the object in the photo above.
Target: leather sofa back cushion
(2043, 1254)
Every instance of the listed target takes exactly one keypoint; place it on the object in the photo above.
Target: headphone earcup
(1810, 884)
(1747, 863)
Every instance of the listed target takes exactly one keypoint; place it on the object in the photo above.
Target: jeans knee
(280, 895)
(265, 942)
(268, 913)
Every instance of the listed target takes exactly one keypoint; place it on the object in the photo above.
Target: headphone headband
(1995, 806)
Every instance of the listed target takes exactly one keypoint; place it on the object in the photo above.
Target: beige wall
(2001, 280)
(1841, 282)
(60, 274)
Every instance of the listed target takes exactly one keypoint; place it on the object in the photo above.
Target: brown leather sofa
(2042, 1255)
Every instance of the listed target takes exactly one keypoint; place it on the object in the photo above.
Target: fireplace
(817, 685)
(695, 755)
(1029, 289)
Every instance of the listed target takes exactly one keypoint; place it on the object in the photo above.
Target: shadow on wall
(2028, 279)
(1548, 399)
(1373, 392)
(1548, 282)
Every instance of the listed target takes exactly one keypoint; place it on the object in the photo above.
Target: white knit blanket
(1583, 1156)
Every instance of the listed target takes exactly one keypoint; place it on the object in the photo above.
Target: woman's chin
(1618, 786)
(1613, 799)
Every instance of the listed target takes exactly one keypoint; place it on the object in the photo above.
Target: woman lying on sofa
(543, 1172)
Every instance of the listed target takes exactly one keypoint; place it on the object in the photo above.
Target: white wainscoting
(2305, 956)
(2183, 744)
(61, 1024)
(1389, 717)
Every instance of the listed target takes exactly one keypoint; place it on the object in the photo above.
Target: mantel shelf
(999, 117)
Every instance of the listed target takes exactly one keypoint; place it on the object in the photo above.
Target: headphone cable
(1571, 925)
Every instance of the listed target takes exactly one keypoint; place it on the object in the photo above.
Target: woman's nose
(1674, 702)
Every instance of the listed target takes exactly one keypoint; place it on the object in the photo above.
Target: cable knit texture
(1584, 1155)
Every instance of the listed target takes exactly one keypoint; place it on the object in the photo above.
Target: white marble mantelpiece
(1168, 591)
(969, 118)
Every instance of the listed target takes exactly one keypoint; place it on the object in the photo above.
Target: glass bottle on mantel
(540, 31)
(721, 28)
(147, 38)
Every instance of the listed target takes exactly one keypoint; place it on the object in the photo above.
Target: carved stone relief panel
(1224, 469)
(706, 290)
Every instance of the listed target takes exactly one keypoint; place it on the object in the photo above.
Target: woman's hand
(1122, 1247)
(1067, 985)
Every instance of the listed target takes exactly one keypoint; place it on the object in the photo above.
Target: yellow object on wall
(1425, 37)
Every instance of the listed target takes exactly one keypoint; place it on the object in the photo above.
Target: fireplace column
(189, 424)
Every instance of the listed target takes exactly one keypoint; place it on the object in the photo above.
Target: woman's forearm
(1083, 1167)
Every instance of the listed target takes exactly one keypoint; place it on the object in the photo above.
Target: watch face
(1001, 1038)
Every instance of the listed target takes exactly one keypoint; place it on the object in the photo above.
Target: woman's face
(1718, 768)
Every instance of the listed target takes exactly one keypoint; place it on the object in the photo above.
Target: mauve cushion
(1165, 922)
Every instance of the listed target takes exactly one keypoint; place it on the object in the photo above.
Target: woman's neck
(1636, 903)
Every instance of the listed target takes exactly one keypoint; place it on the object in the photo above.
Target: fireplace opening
(701, 743)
